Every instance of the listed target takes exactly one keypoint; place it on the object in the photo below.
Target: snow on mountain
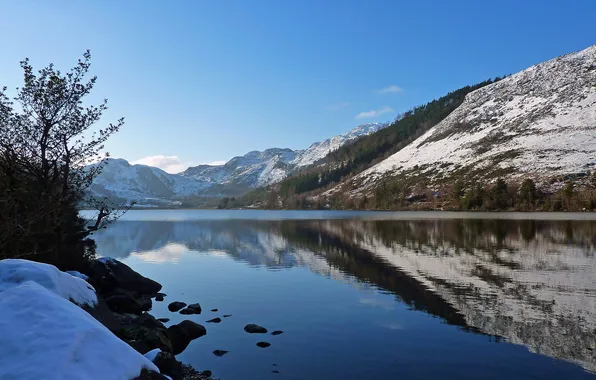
(150, 186)
(319, 150)
(256, 169)
(540, 123)
(142, 183)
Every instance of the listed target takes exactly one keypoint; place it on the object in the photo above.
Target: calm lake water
(364, 295)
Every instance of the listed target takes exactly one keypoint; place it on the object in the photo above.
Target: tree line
(47, 139)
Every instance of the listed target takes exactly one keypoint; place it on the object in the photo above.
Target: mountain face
(152, 186)
(539, 123)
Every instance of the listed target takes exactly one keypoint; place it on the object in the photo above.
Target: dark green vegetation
(45, 141)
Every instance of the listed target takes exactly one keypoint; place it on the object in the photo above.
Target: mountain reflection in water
(530, 282)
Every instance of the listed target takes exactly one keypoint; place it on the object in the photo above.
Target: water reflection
(529, 282)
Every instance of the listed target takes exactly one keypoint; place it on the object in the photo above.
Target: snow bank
(14, 272)
(45, 336)
(151, 355)
(77, 274)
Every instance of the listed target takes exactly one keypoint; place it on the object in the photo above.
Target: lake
(374, 295)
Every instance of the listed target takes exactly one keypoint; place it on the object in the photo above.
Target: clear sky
(204, 81)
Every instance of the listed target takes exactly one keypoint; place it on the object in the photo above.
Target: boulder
(214, 310)
(168, 365)
(183, 333)
(263, 344)
(144, 339)
(227, 315)
(150, 375)
(220, 352)
(163, 320)
(149, 321)
(255, 329)
(103, 314)
(160, 296)
(106, 274)
(277, 332)
(214, 320)
(175, 306)
(124, 303)
(194, 308)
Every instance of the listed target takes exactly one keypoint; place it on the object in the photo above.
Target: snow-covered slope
(256, 169)
(540, 123)
(319, 150)
(141, 183)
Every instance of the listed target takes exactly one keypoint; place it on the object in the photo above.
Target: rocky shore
(95, 324)
(124, 300)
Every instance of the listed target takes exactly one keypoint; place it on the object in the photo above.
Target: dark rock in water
(163, 320)
(195, 308)
(149, 375)
(206, 373)
(263, 344)
(107, 274)
(160, 296)
(192, 374)
(183, 333)
(214, 310)
(103, 314)
(277, 332)
(214, 320)
(124, 303)
(168, 365)
(275, 371)
(255, 329)
(175, 306)
(219, 352)
(275, 365)
(227, 315)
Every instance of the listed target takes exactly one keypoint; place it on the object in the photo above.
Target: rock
(175, 306)
(192, 374)
(103, 314)
(168, 365)
(214, 320)
(146, 303)
(219, 352)
(275, 371)
(149, 321)
(255, 329)
(227, 315)
(206, 373)
(107, 274)
(124, 303)
(277, 332)
(183, 333)
(163, 320)
(160, 296)
(196, 307)
(263, 344)
(214, 310)
(144, 339)
(150, 375)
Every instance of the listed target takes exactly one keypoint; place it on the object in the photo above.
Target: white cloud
(391, 90)
(215, 163)
(374, 113)
(170, 164)
(338, 106)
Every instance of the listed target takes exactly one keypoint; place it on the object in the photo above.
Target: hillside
(539, 123)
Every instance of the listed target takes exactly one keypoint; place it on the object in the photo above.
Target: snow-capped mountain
(256, 169)
(538, 123)
(152, 186)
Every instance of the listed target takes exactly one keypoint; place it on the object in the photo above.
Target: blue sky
(203, 81)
